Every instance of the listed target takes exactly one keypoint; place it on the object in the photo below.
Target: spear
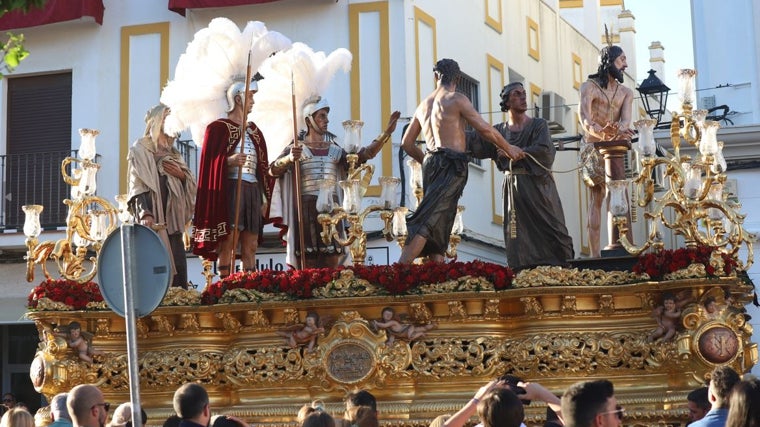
(239, 184)
(297, 175)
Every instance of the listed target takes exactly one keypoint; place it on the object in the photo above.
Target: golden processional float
(250, 343)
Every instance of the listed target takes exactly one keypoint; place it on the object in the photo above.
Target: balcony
(35, 178)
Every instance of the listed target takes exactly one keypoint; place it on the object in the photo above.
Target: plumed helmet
(312, 105)
(238, 88)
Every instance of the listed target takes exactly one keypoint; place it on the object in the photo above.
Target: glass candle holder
(352, 141)
(87, 144)
(647, 146)
(708, 145)
(618, 200)
(687, 94)
(389, 185)
(352, 197)
(399, 221)
(32, 227)
(325, 197)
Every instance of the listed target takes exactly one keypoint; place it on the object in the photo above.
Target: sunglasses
(7, 400)
(619, 412)
(105, 405)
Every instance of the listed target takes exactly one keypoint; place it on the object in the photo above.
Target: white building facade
(114, 71)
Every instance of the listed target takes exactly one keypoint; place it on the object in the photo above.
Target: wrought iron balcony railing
(35, 178)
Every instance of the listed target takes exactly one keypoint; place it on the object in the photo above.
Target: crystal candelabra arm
(356, 238)
(621, 222)
(363, 173)
(329, 229)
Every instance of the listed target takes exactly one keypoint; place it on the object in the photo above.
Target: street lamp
(654, 87)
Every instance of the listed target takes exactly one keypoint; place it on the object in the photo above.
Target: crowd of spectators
(728, 401)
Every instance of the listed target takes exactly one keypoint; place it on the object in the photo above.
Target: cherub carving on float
(667, 316)
(78, 340)
(394, 327)
(306, 334)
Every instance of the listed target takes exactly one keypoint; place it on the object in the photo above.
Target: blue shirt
(714, 418)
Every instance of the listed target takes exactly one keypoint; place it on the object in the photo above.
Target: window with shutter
(38, 139)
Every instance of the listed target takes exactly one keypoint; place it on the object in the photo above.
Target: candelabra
(694, 192)
(89, 221)
(354, 187)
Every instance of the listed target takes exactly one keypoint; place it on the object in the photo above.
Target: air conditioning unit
(553, 110)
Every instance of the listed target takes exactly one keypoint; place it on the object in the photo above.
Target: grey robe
(542, 237)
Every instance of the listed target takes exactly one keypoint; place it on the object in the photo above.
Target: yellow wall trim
(162, 29)
(534, 41)
(570, 3)
(354, 10)
(495, 67)
(422, 18)
(577, 71)
(494, 21)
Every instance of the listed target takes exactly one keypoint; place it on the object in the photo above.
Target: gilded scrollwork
(229, 322)
(346, 285)
(569, 305)
(606, 304)
(554, 335)
(178, 296)
(491, 309)
(559, 276)
(188, 322)
(532, 306)
(256, 319)
(420, 313)
(457, 311)
(163, 324)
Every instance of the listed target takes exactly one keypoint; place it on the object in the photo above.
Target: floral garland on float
(399, 279)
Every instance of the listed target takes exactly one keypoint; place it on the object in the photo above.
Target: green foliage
(13, 51)
(25, 5)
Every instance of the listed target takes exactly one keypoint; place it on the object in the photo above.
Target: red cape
(211, 219)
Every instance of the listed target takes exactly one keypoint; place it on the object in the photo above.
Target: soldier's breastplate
(249, 167)
(315, 169)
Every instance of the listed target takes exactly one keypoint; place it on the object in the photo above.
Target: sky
(666, 21)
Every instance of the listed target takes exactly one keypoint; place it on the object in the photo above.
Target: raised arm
(488, 132)
(460, 418)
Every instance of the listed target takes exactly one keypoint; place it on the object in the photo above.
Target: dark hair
(501, 408)
(584, 400)
(448, 69)
(607, 57)
(143, 417)
(744, 405)
(699, 397)
(552, 420)
(223, 421)
(363, 416)
(722, 380)
(172, 421)
(75, 325)
(189, 401)
(362, 398)
(318, 419)
(504, 95)
(512, 381)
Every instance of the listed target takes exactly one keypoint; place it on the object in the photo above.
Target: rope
(512, 182)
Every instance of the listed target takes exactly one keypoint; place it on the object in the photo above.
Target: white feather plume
(214, 58)
(311, 72)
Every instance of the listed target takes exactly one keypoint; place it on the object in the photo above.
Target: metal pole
(130, 314)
